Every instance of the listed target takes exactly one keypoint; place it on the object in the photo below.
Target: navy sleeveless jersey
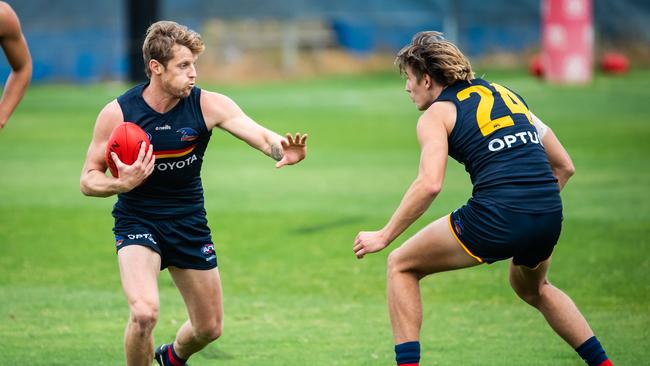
(180, 138)
(494, 137)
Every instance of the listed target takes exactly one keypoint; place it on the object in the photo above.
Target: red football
(535, 66)
(615, 63)
(125, 141)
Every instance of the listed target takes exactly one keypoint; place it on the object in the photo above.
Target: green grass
(294, 293)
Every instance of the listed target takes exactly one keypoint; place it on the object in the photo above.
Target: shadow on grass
(327, 225)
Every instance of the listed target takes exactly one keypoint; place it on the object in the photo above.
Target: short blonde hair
(430, 53)
(161, 38)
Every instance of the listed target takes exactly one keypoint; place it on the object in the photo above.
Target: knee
(144, 315)
(395, 265)
(532, 295)
(207, 333)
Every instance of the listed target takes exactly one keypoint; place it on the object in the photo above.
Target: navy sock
(407, 353)
(173, 354)
(592, 352)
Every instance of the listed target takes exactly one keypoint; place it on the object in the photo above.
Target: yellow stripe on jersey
(162, 154)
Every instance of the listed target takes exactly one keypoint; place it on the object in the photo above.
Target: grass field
(294, 293)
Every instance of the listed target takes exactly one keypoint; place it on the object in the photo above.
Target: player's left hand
(369, 242)
(293, 150)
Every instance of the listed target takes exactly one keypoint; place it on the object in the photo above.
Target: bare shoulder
(9, 24)
(112, 110)
(6, 11)
(217, 108)
(109, 117)
(440, 113)
(212, 98)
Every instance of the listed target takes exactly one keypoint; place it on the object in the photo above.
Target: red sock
(173, 357)
(606, 363)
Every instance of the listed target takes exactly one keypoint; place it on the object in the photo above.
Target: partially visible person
(517, 167)
(15, 49)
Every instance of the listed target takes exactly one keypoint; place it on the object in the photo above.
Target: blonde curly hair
(430, 53)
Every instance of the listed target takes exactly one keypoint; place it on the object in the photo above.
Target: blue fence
(85, 41)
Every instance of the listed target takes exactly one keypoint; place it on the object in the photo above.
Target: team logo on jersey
(188, 134)
(118, 240)
(208, 252)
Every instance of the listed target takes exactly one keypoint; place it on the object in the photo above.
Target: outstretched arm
(220, 111)
(560, 160)
(432, 136)
(15, 49)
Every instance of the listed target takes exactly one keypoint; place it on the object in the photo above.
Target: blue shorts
(183, 242)
(490, 233)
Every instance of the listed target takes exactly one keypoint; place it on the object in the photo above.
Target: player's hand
(369, 242)
(131, 176)
(293, 149)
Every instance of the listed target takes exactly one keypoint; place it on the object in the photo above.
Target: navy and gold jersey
(494, 137)
(180, 138)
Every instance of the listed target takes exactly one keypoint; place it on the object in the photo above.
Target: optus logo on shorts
(142, 237)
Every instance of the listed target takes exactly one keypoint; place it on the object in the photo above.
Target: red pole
(567, 41)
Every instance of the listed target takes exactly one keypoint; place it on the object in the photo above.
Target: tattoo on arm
(276, 152)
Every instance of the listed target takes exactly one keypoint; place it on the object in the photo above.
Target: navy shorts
(490, 233)
(182, 242)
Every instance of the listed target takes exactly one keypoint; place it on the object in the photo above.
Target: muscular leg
(139, 269)
(433, 249)
(201, 291)
(560, 312)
